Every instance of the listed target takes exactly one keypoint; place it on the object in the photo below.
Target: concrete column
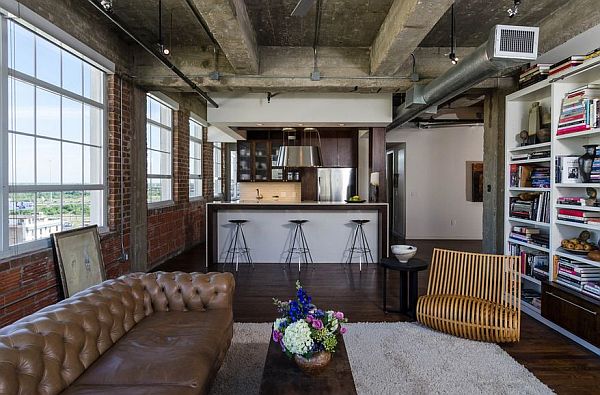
(493, 171)
(139, 206)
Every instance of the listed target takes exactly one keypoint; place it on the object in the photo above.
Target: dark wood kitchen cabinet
(572, 311)
(257, 162)
(254, 160)
(339, 148)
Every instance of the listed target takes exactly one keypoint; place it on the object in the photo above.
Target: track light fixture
(514, 10)
(452, 56)
(164, 50)
(161, 45)
(107, 5)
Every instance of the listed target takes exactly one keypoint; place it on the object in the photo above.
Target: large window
(195, 159)
(52, 138)
(217, 171)
(159, 133)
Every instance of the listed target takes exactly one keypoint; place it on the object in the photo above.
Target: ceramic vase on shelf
(585, 162)
(315, 364)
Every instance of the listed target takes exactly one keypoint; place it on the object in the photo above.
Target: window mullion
(4, 231)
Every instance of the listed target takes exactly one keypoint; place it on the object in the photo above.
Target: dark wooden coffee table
(282, 376)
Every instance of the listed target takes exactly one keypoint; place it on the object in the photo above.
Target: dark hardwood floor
(561, 364)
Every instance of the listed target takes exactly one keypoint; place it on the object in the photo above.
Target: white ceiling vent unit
(518, 42)
(507, 46)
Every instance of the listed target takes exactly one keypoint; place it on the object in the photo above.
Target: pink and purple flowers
(303, 329)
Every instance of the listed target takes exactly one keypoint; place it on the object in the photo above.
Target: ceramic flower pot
(315, 364)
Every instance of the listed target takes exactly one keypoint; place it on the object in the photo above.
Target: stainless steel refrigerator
(336, 184)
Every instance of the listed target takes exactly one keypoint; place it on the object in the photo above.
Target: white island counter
(268, 230)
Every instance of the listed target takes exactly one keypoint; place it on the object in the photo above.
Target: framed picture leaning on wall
(79, 259)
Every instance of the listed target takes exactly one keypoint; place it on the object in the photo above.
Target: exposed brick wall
(208, 183)
(175, 228)
(30, 281)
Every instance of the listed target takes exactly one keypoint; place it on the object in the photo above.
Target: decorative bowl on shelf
(355, 201)
(403, 252)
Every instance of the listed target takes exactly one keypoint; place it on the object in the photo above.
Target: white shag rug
(392, 358)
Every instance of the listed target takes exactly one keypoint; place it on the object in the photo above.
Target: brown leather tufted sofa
(143, 333)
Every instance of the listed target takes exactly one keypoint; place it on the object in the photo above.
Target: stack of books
(576, 275)
(566, 64)
(534, 74)
(580, 110)
(537, 209)
(540, 177)
(579, 216)
(531, 155)
(567, 169)
(575, 201)
(523, 233)
(592, 289)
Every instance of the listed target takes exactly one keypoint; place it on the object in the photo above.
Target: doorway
(396, 183)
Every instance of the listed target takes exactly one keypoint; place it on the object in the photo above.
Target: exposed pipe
(487, 60)
(161, 58)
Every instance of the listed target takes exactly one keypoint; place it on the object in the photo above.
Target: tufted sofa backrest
(46, 351)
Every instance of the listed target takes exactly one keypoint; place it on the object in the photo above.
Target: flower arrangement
(303, 329)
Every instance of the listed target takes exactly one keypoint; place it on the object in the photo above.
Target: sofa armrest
(179, 291)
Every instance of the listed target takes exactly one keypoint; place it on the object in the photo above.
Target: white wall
(436, 204)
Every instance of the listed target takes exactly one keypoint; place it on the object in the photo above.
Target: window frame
(172, 108)
(220, 162)
(6, 74)
(197, 140)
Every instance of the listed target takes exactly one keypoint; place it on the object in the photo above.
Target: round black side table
(409, 283)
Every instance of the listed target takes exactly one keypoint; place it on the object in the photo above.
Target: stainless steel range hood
(507, 46)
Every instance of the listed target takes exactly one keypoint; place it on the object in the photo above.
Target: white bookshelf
(549, 94)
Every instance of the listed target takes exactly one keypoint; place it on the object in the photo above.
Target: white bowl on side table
(403, 252)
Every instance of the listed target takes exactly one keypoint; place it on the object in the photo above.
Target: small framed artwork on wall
(79, 259)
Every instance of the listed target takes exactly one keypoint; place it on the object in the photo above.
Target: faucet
(258, 196)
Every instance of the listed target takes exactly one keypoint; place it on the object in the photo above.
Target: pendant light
(292, 154)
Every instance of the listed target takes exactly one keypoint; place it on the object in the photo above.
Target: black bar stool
(302, 249)
(238, 245)
(360, 244)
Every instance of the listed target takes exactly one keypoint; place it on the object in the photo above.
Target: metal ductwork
(507, 46)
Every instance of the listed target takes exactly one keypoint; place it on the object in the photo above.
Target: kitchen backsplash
(285, 192)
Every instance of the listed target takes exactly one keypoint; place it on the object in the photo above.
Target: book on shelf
(566, 64)
(537, 209)
(567, 169)
(580, 110)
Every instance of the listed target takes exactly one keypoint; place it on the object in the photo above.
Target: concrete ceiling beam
(230, 25)
(566, 22)
(403, 29)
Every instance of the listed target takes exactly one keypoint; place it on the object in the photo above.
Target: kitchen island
(268, 230)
